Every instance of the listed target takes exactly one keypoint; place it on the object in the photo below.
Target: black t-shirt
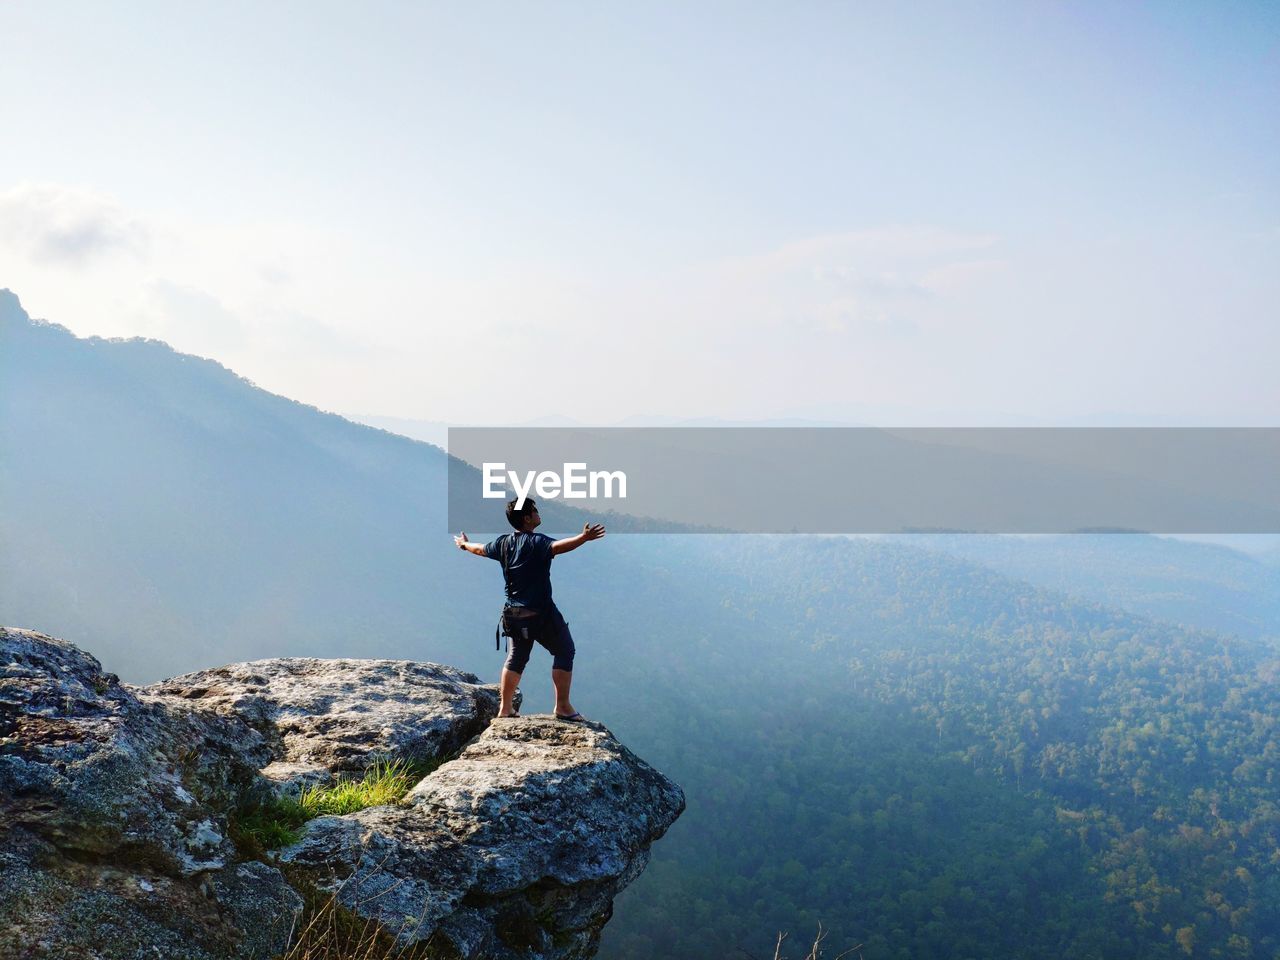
(527, 568)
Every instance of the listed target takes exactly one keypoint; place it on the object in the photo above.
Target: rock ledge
(115, 804)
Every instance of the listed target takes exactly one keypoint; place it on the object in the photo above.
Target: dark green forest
(961, 765)
(927, 755)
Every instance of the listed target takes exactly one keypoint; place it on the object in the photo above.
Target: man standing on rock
(530, 614)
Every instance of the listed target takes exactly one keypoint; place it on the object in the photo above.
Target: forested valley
(936, 761)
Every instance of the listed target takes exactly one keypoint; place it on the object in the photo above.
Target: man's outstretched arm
(590, 531)
(465, 544)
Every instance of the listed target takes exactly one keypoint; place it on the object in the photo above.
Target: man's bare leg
(562, 680)
(510, 680)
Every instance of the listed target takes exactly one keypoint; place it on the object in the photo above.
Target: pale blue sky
(1045, 210)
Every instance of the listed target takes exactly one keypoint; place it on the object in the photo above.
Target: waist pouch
(523, 622)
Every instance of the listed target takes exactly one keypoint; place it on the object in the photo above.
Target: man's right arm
(465, 544)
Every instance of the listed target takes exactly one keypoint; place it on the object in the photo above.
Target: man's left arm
(590, 531)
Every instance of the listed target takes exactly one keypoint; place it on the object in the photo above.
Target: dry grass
(815, 951)
(329, 930)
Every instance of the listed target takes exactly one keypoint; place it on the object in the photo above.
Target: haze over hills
(961, 479)
(162, 505)
(1201, 584)
(437, 431)
(928, 756)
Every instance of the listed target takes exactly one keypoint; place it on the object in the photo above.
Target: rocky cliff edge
(119, 808)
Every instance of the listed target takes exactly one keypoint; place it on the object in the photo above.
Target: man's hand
(461, 540)
(464, 544)
(590, 531)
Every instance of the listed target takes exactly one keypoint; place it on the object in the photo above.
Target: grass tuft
(385, 782)
(268, 827)
(279, 823)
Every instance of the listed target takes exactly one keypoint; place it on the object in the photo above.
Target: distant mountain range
(976, 749)
(1200, 584)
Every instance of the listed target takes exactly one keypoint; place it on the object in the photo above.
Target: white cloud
(71, 226)
(921, 317)
(855, 315)
(883, 284)
(961, 275)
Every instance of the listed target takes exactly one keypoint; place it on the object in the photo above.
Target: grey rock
(116, 805)
(97, 769)
(325, 717)
(264, 906)
(519, 844)
(55, 907)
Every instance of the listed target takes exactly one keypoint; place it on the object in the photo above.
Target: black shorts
(549, 629)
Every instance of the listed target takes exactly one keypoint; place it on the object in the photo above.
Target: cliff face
(117, 805)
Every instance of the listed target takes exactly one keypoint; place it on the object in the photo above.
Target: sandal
(571, 718)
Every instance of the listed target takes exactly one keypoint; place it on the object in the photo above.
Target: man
(530, 615)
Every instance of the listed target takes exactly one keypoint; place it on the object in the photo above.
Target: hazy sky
(477, 212)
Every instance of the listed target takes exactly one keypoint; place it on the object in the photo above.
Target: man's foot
(574, 717)
(507, 716)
